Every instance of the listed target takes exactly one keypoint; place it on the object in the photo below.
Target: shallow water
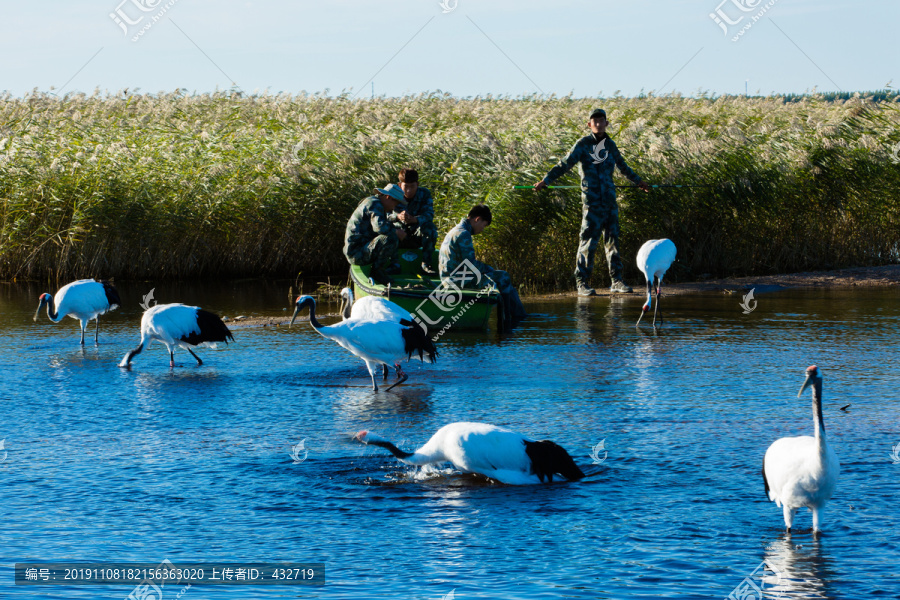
(194, 464)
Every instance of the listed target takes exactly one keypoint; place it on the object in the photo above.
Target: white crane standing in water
(488, 450)
(802, 471)
(179, 325)
(376, 341)
(369, 308)
(84, 300)
(654, 259)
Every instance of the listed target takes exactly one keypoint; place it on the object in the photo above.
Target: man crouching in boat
(417, 218)
(458, 247)
(370, 238)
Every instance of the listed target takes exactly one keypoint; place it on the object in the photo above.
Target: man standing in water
(596, 155)
(370, 239)
(417, 218)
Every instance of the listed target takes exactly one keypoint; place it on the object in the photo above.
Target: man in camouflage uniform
(417, 218)
(458, 247)
(370, 239)
(597, 156)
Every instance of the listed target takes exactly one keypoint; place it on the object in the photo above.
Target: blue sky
(511, 47)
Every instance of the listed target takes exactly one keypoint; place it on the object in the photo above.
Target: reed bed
(225, 185)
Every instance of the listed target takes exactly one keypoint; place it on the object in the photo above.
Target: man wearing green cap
(597, 156)
(370, 239)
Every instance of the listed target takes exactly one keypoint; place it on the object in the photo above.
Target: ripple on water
(201, 463)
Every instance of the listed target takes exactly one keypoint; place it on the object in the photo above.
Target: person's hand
(401, 234)
(407, 218)
(539, 185)
(644, 187)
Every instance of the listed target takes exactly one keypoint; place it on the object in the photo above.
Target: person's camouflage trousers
(379, 253)
(597, 222)
(512, 304)
(423, 236)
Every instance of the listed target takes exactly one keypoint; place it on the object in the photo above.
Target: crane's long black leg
(199, 362)
(97, 331)
(83, 327)
(401, 377)
(172, 357)
(384, 371)
(374, 385)
(658, 294)
(655, 309)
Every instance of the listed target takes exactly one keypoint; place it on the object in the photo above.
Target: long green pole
(563, 187)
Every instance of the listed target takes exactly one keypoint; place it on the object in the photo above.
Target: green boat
(434, 303)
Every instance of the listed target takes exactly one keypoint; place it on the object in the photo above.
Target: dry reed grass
(178, 186)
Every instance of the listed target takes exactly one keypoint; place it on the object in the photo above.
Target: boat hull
(433, 303)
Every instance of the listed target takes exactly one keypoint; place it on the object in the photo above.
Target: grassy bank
(175, 186)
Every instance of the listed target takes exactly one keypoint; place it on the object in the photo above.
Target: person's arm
(561, 168)
(625, 169)
(380, 223)
(427, 212)
(467, 250)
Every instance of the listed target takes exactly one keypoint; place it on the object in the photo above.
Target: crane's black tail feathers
(548, 458)
(765, 481)
(112, 295)
(416, 341)
(212, 329)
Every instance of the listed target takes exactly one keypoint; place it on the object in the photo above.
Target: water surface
(194, 464)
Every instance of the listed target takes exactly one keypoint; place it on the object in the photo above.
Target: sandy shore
(282, 320)
(855, 277)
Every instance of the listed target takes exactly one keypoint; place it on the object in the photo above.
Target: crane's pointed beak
(40, 306)
(294, 316)
(806, 383)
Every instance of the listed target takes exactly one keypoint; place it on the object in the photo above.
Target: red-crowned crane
(371, 308)
(487, 450)
(84, 300)
(377, 342)
(179, 325)
(654, 259)
(802, 471)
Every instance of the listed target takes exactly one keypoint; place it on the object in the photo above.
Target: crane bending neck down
(379, 337)
(488, 450)
(653, 259)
